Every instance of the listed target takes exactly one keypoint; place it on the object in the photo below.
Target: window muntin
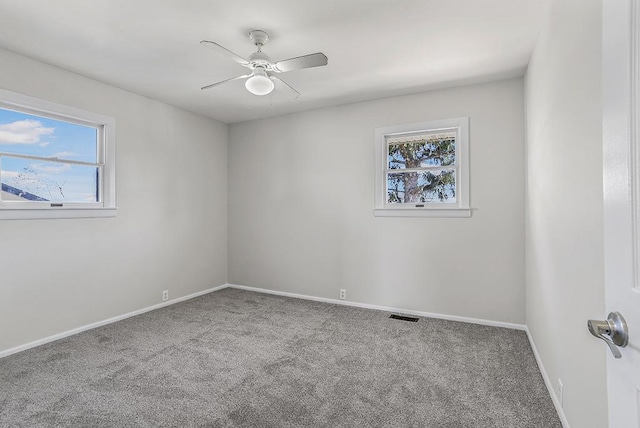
(56, 159)
(422, 169)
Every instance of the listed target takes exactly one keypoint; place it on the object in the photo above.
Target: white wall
(170, 231)
(565, 272)
(301, 208)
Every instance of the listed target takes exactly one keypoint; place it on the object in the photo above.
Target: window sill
(422, 212)
(49, 213)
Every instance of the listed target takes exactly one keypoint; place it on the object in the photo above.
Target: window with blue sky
(43, 159)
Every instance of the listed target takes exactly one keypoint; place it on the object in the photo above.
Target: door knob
(613, 331)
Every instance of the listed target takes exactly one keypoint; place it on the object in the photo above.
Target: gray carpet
(240, 359)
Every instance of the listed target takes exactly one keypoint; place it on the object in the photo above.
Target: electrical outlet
(560, 392)
(165, 295)
(343, 294)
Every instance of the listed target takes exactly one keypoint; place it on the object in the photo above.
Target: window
(55, 161)
(422, 169)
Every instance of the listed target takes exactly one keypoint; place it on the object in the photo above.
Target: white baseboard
(10, 351)
(383, 308)
(71, 332)
(547, 382)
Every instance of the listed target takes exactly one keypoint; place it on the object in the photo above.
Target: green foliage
(422, 153)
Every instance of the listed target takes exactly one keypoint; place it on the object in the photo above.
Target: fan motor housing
(258, 59)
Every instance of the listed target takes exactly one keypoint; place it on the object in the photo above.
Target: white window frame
(461, 207)
(106, 126)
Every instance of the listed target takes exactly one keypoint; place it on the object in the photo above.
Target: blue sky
(26, 134)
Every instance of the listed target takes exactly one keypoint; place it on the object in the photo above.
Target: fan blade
(306, 61)
(225, 81)
(283, 86)
(225, 52)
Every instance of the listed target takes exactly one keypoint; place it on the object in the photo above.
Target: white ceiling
(376, 48)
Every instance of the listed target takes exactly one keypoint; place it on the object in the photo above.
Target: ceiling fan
(261, 80)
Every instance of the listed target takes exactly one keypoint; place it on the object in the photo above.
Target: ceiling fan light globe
(259, 85)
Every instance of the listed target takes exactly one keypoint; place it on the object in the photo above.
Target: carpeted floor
(235, 358)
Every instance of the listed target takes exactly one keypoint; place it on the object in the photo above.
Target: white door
(621, 107)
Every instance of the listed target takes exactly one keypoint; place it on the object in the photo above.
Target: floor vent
(400, 317)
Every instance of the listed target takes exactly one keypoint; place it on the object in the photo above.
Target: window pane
(25, 179)
(422, 151)
(27, 134)
(421, 187)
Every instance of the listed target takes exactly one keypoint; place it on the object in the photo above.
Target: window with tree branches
(423, 167)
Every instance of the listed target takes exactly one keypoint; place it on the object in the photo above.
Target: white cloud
(63, 155)
(45, 144)
(10, 174)
(26, 131)
(58, 169)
